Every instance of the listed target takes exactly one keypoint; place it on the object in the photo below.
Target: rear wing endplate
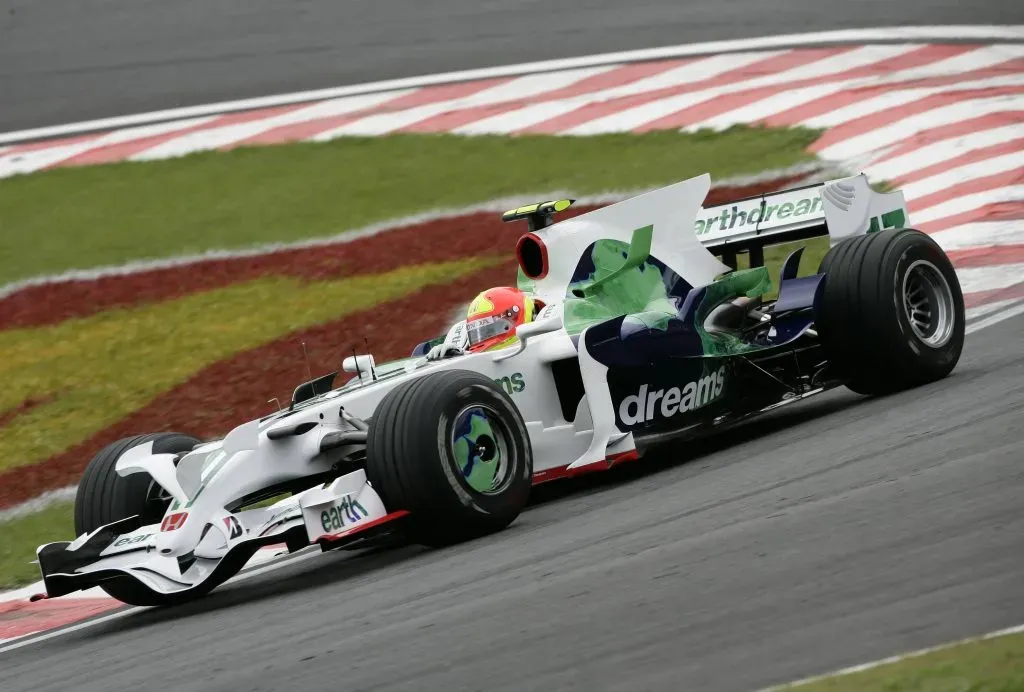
(840, 209)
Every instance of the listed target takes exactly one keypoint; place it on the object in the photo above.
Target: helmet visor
(487, 328)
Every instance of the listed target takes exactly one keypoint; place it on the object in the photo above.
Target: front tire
(451, 448)
(104, 497)
(891, 312)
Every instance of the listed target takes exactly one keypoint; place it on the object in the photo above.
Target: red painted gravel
(237, 389)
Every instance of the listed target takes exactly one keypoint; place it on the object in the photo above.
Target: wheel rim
(480, 445)
(928, 303)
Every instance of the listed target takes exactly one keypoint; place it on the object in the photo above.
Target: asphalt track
(837, 530)
(71, 60)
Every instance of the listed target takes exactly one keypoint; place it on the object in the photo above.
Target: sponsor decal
(173, 522)
(457, 336)
(513, 383)
(890, 219)
(343, 514)
(759, 213)
(654, 404)
(233, 526)
(776, 211)
(131, 540)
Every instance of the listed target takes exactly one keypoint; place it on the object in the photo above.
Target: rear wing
(840, 209)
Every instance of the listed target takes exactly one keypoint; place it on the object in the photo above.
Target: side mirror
(361, 364)
(313, 388)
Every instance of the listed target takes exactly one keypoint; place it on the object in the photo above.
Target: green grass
(989, 665)
(93, 371)
(23, 535)
(92, 216)
(775, 255)
(78, 218)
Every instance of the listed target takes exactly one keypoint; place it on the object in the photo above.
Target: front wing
(331, 515)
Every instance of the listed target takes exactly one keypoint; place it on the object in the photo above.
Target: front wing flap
(330, 515)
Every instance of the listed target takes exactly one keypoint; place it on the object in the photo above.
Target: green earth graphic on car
(477, 451)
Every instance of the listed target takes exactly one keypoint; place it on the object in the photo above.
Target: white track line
(901, 130)
(25, 592)
(943, 150)
(39, 503)
(812, 171)
(995, 319)
(145, 265)
(896, 659)
(784, 100)
(820, 71)
(989, 308)
(637, 116)
(901, 97)
(530, 86)
(696, 71)
(990, 278)
(45, 636)
(763, 108)
(505, 123)
(213, 138)
(518, 88)
(981, 58)
(949, 179)
(867, 35)
(31, 161)
(958, 205)
(690, 73)
(981, 234)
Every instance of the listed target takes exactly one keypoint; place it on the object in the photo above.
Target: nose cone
(178, 534)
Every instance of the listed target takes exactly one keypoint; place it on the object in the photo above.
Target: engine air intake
(532, 255)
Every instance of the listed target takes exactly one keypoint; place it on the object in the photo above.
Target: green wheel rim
(481, 449)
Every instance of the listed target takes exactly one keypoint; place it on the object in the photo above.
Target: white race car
(646, 335)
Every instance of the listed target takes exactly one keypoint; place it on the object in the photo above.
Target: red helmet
(494, 315)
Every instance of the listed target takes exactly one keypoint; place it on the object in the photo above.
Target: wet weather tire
(104, 497)
(891, 311)
(451, 448)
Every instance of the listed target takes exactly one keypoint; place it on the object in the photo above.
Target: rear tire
(891, 311)
(452, 449)
(104, 497)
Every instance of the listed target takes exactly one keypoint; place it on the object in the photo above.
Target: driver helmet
(493, 316)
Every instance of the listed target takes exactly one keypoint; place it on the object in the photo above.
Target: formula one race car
(648, 333)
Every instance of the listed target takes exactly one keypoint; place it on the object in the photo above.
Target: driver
(490, 323)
